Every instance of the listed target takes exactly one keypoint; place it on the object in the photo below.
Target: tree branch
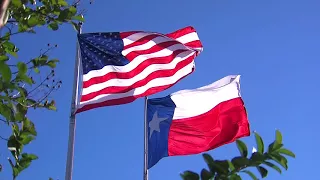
(4, 138)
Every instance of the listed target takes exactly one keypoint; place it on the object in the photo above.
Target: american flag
(119, 67)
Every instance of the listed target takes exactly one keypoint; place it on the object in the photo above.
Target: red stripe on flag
(129, 99)
(126, 34)
(140, 83)
(134, 72)
(181, 32)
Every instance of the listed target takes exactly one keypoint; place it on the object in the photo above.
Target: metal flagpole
(74, 101)
(145, 164)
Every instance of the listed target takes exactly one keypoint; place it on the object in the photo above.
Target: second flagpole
(145, 163)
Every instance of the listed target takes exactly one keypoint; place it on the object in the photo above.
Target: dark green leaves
(189, 175)
(242, 148)
(240, 162)
(263, 172)
(5, 71)
(205, 174)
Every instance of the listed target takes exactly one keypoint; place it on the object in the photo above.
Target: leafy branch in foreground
(28, 83)
(273, 157)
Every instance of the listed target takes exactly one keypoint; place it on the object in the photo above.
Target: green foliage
(26, 84)
(239, 166)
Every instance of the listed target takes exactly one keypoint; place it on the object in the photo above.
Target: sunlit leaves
(238, 166)
(20, 79)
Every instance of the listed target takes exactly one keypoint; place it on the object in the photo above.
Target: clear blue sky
(273, 44)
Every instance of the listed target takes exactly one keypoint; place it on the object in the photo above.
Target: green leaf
(28, 127)
(52, 63)
(231, 166)
(13, 53)
(22, 67)
(263, 172)
(273, 166)
(10, 48)
(54, 26)
(33, 21)
(189, 175)
(278, 137)
(22, 91)
(15, 171)
(4, 58)
(79, 18)
(67, 14)
(25, 78)
(14, 146)
(16, 3)
(242, 148)
(274, 146)
(25, 138)
(75, 26)
(72, 10)
(222, 167)
(235, 177)
(62, 3)
(5, 71)
(205, 174)
(6, 111)
(207, 158)
(250, 174)
(280, 160)
(29, 156)
(287, 152)
(240, 162)
(257, 158)
(259, 142)
(25, 161)
(36, 70)
(41, 60)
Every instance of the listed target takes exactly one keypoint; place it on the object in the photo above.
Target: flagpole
(72, 122)
(145, 164)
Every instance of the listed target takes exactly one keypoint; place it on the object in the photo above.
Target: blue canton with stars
(101, 49)
(158, 140)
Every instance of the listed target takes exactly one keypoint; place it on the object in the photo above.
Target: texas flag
(197, 120)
